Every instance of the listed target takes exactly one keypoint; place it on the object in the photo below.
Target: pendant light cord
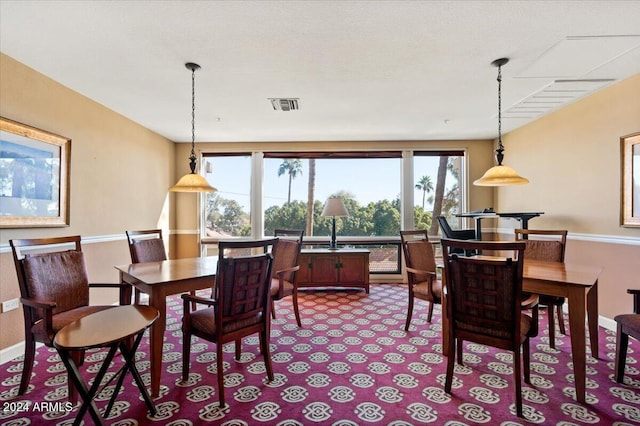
(499, 152)
(500, 107)
(192, 157)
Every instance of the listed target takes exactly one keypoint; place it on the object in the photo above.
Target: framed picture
(34, 177)
(630, 149)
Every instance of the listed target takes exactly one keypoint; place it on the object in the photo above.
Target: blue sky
(369, 180)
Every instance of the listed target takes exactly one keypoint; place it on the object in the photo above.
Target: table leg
(479, 228)
(125, 293)
(129, 354)
(577, 316)
(87, 395)
(444, 318)
(156, 337)
(592, 313)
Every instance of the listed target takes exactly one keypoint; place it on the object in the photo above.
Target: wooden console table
(347, 268)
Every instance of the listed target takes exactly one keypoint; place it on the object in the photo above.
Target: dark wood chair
(550, 250)
(54, 290)
(240, 306)
(285, 265)
(628, 325)
(145, 246)
(483, 304)
(420, 264)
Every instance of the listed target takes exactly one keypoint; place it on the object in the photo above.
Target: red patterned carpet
(350, 364)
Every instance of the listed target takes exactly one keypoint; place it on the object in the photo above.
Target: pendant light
(192, 182)
(500, 175)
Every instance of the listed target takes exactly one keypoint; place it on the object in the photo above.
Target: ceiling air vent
(553, 96)
(285, 104)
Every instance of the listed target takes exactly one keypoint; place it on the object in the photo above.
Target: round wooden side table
(120, 327)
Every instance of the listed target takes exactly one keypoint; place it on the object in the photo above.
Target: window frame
(407, 186)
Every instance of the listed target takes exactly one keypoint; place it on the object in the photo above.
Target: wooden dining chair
(285, 266)
(483, 304)
(550, 250)
(54, 291)
(628, 325)
(239, 306)
(420, 264)
(145, 246)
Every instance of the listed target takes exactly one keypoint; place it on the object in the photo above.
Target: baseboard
(8, 354)
(607, 323)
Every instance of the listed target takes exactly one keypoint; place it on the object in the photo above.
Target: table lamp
(334, 207)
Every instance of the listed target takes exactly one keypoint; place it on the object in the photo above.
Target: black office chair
(456, 234)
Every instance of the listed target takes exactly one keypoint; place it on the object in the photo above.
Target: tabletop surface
(498, 214)
(172, 270)
(569, 273)
(103, 328)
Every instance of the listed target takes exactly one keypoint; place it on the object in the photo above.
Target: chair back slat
(148, 251)
(419, 255)
(59, 277)
(49, 273)
(244, 287)
(552, 250)
(483, 295)
(285, 255)
(485, 292)
(146, 246)
(243, 282)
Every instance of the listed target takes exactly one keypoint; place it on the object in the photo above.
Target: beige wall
(572, 158)
(120, 172)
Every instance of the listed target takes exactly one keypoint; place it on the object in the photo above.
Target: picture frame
(34, 177)
(630, 156)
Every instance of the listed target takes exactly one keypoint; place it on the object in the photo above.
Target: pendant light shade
(500, 175)
(192, 182)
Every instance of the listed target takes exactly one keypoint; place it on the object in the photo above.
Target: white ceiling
(363, 70)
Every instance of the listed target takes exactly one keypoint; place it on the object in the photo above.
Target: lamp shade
(334, 207)
(192, 182)
(500, 176)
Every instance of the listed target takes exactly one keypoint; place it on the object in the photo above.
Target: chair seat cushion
(630, 324)
(422, 289)
(275, 288)
(62, 319)
(203, 321)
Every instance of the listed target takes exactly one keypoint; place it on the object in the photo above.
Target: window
(370, 183)
(437, 184)
(295, 190)
(227, 212)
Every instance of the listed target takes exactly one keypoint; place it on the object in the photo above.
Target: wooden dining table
(579, 285)
(162, 279)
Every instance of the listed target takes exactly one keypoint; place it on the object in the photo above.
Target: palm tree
(311, 188)
(293, 168)
(425, 185)
(437, 204)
